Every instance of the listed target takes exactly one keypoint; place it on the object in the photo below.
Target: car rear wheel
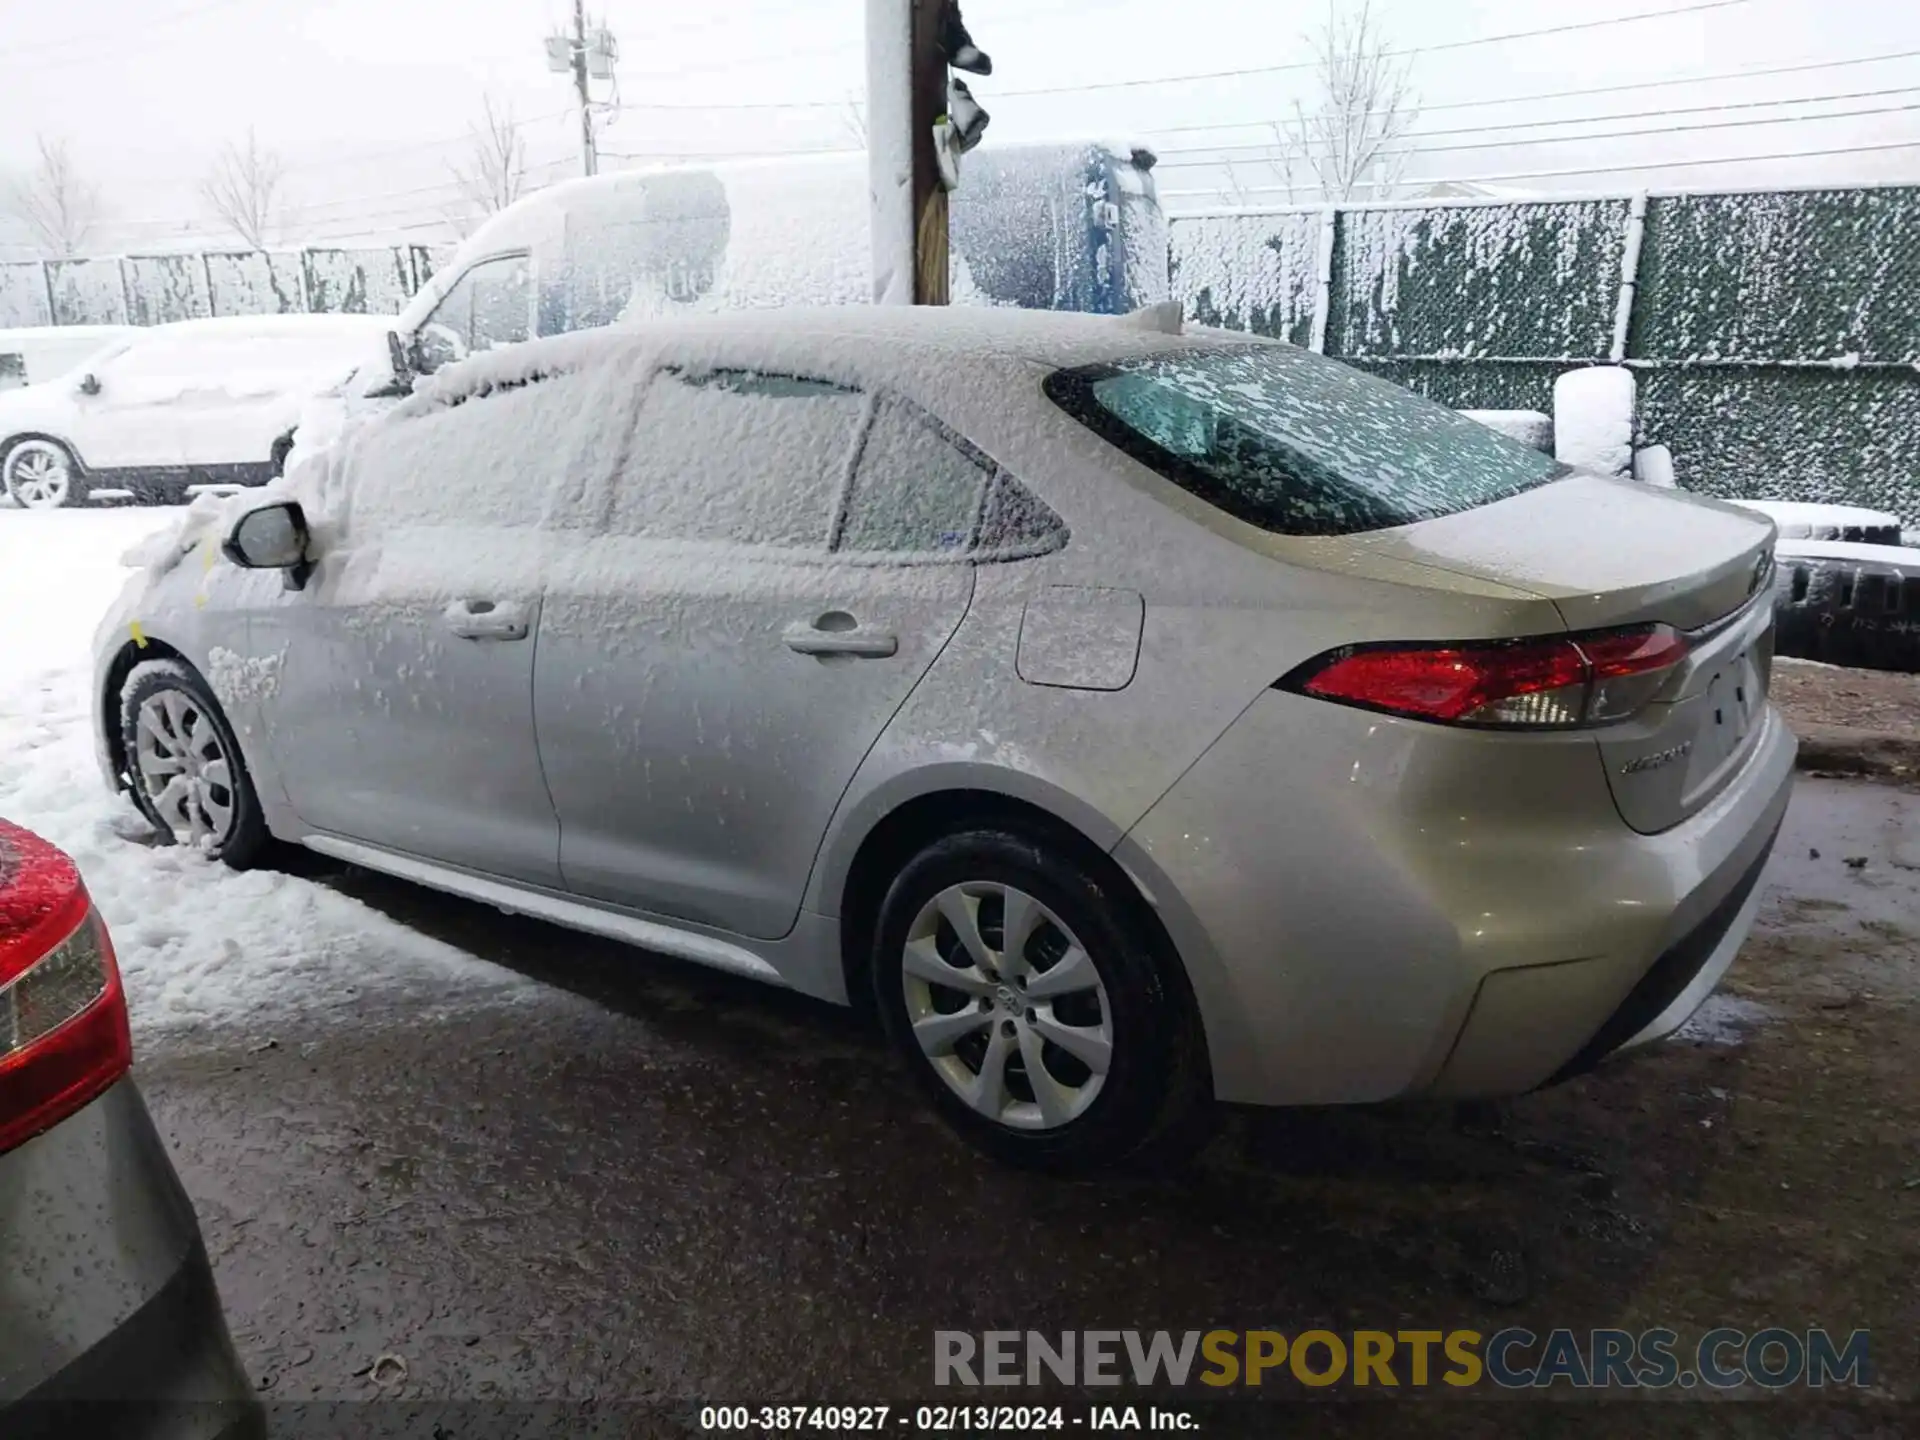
(187, 773)
(1036, 1007)
(42, 475)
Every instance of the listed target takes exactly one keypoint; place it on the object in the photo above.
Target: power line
(1417, 50)
(1585, 170)
(67, 42)
(1588, 120)
(1636, 85)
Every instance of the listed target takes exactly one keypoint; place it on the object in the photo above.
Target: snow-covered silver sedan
(1136, 718)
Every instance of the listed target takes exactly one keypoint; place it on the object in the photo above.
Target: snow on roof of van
(1053, 339)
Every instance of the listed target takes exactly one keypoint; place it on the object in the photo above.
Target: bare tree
(494, 172)
(853, 120)
(1345, 145)
(243, 190)
(54, 203)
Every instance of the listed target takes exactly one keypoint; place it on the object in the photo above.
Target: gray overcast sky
(367, 99)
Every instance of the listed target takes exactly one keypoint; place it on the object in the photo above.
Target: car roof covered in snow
(1050, 339)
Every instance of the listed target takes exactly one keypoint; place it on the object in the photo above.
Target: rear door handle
(479, 619)
(838, 633)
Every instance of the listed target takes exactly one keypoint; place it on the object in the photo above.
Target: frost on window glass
(487, 307)
(1018, 522)
(1295, 443)
(494, 460)
(734, 456)
(914, 488)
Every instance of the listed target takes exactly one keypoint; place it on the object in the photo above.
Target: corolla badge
(1657, 758)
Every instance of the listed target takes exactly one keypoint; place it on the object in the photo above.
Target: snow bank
(1806, 520)
(1593, 413)
(200, 946)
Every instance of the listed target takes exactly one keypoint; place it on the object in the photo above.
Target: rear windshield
(1295, 443)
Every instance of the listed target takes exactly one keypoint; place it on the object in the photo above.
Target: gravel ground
(1810, 693)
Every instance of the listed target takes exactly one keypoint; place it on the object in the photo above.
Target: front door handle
(838, 633)
(478, 619)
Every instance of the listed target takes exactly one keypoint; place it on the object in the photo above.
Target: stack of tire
(1847, 591)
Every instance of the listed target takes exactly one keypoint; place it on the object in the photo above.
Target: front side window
(1295, 443)
(486, 307)
(737, 456)
(494, 461)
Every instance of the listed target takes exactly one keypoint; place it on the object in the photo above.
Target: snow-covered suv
(206, 402)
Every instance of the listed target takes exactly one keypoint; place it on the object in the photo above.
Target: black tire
(1154, 1104)
(77, 483)
(1854, 612)
(245, 838)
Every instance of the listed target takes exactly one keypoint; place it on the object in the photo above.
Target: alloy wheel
(39, 475)
(184, 770)
(1007, 1005)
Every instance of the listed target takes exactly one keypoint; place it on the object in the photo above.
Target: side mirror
(400, 356)
(89, 384)
(273, 537)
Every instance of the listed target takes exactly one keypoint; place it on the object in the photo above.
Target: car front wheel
(189, 778)
(1036, 1006)
(42, 475)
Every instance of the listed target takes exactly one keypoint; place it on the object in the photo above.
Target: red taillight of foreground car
(1554, 683)
(63, 1016)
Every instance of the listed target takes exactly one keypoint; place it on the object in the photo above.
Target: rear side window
(1295, 443)
(914, 489)
(737, 456)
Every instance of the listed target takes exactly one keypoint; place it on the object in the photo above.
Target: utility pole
(589, 160)
(589, 55)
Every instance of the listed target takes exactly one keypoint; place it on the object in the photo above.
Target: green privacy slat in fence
(1795, 275)
(1248, 273)
(1477, 280)
(1852, 438)
(1477, 385)
(164, 288)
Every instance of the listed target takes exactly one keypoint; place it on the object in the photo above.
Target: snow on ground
(1724, 1019)
(199, 945)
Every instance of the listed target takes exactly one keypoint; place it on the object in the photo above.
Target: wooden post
(930, 271)
(906, 93)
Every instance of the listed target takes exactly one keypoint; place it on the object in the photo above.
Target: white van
(1054, 227)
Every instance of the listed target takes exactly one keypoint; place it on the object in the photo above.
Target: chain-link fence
(155, 289)
(1776, 335)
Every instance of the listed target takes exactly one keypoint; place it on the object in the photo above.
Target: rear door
(712, 670)
(404, 716)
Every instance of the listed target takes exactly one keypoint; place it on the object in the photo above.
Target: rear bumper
(168, 1372)
(109, 1321)
(1369, 908)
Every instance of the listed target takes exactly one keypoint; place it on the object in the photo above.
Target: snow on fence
(1776, 335)
(154, 289)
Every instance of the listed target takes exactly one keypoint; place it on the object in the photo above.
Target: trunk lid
(1610, 553)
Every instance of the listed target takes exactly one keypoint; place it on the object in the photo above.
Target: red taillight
(63, 1017)
(1556, 683)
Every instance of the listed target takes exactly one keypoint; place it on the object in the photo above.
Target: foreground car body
(162, 409)
(1134, 716)
(109, 1321)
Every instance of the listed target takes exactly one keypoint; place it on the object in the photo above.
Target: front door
(712, 670)
(404, 714)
